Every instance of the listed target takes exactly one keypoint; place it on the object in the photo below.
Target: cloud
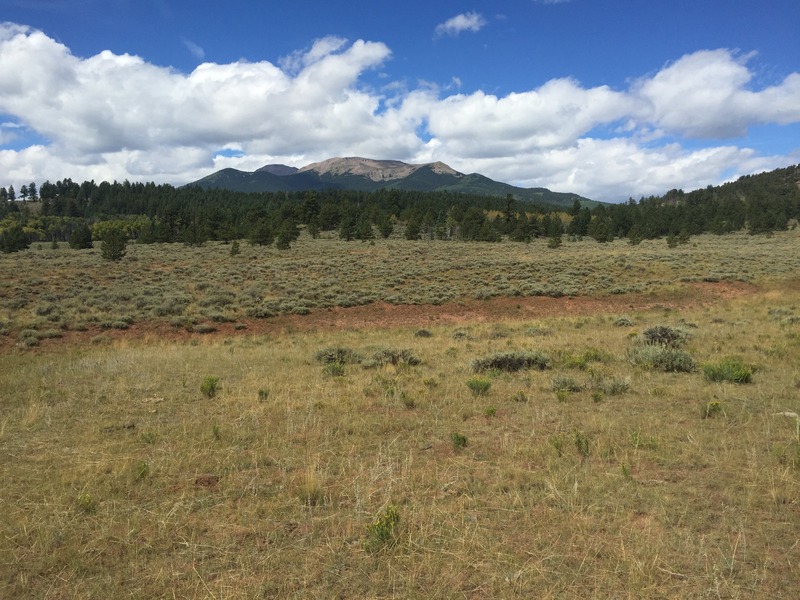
(112, 116)
(705, 95)
(194, 49)
(470, 21)
(295, 62)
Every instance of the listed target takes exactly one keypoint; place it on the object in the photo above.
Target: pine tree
(114, 244)
(81, 237)
(13, 239)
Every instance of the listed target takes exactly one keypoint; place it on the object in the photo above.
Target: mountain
(366, 174)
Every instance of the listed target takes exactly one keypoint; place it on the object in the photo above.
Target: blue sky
(605, 98)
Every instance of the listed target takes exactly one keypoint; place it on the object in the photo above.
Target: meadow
(644, 446)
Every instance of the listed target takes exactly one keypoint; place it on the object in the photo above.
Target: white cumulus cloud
(112, 116)
(470, 21)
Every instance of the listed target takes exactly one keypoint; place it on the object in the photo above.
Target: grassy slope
(121, 478)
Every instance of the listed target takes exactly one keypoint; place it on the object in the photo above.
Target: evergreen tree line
(148, 213)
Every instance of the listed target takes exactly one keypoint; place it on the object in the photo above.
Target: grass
(121, 479)
(731, 369)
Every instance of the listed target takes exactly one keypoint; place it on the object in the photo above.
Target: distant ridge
(279, 170)
(367, 174)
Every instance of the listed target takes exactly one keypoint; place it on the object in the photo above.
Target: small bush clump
(392, 356)
(209, 386)
(662, 358)
(614, 386)
(731, 369)
(342, 356)
(459, 440)
(333, 369)
(382, 532)
(520, 396)
(512, 361)
(86, 503)
(479, 386)
(666, 336)
(566, 384)
(711, 409)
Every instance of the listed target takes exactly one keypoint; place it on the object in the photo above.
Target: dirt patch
(388, 316)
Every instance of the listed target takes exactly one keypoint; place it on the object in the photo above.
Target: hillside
(367, 175)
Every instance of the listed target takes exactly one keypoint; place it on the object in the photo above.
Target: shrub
(662, 358)
(711, 409)
(479, 386)
(392, 356)
(536, 331)
(86, 503)
(566, 384)
(459, 440)
(334, 369)
(512, 361)
(554, 242)
(209, 386)
(520, 396)
(731, 369)
(664, 335)
(382, 532)
(614, 386)
(623, 322)
(342, 356)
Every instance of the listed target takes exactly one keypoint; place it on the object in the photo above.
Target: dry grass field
(508, 421)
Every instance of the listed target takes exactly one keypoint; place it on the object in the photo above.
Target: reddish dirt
(382, 315)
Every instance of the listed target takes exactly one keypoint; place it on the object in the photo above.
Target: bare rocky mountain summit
(375, 170)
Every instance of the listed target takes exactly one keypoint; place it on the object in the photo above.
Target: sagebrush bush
(614, 386)
(662, 358)
(338, 354)
(664, 335)
(563, 383)
(512, 361)
(393, 356)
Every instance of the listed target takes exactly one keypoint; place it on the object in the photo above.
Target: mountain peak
(279, 170)
(372, 169)
(368, 174)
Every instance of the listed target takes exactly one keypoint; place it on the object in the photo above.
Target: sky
(610, 99)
